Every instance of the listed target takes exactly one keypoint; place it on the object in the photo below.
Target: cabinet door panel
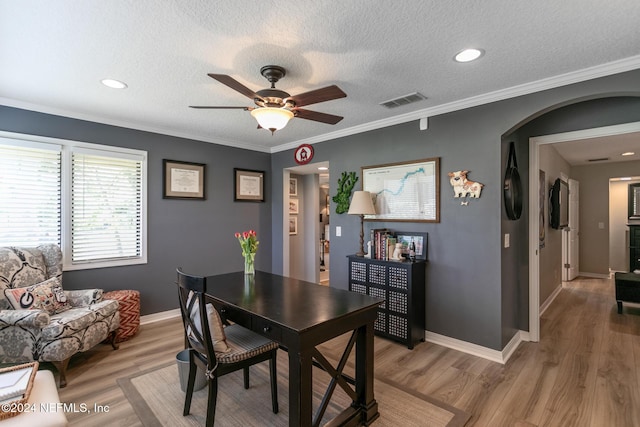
(398, 277)
(377, 274)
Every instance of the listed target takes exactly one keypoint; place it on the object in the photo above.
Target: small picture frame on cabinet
(419, 239)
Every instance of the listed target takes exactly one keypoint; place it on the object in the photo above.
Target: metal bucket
(182, 359)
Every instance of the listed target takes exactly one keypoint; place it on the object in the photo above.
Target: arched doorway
(578, 119)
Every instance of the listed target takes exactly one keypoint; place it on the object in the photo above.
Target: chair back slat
(197, 336)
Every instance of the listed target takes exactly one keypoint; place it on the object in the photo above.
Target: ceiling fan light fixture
(272, 118)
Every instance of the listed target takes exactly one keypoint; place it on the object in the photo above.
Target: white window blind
(30, 211)
(106, 206)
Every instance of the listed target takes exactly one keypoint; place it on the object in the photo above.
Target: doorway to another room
(325, 243)
(306, 239)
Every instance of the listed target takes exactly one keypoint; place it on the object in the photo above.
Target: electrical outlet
(338, 231)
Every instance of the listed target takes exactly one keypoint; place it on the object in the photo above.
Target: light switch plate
(338, 231)
(506, 240)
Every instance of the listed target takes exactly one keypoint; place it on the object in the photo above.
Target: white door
(571, 236)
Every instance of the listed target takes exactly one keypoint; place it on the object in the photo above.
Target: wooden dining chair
(219, 350)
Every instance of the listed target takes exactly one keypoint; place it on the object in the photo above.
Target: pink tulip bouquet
(249, 244)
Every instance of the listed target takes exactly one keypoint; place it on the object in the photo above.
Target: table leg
(300, 389)
(364, 374)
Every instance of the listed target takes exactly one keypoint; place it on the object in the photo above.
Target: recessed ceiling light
(628, 153)
(468, 55)
(323, 168)
(625, 178)
(114, 84)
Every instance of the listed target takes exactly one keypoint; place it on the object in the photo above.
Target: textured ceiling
(602, 149)
(54, 54)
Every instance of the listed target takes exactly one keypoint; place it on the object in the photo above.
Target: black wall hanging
(512, 186)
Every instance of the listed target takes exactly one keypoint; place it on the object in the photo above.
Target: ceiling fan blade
(318, 95)
(235, 85)
(220, 107)
(316, 116)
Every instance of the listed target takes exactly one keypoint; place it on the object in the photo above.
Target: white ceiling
(54, 54)
(600, 149)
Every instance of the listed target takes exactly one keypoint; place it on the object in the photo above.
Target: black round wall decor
(512, 186)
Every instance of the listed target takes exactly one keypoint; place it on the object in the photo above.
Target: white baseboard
(157, 317)
(459, 345)
(478, 350)
(595, 275)
(550, 299)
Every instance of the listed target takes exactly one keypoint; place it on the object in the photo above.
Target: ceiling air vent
(602, 159)
(403, 100)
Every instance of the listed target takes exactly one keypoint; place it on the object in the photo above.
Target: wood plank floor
(584, 372)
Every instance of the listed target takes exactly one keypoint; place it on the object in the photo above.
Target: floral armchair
(39, 320)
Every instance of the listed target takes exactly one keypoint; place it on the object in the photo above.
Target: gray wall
(514, 259)
(465, 287)
(476, 291)
(196, 235)
(594, 208)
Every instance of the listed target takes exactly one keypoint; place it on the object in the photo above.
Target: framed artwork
(293, 225)
(293, 187)
(248, 185)
(293, 206)
(405, 191)
(420, 240)
(183, 180)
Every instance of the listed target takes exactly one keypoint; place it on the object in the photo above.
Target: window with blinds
(90, 199)
(30, 210)
(106, 207)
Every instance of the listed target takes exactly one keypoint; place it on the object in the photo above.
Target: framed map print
(406, 191)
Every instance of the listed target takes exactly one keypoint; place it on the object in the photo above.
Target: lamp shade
(361, 204)
(272, 118)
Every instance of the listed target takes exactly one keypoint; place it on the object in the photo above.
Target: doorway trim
(534, 166)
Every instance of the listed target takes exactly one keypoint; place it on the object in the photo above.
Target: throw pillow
(48, 296)
(218, 337)
(21, 266)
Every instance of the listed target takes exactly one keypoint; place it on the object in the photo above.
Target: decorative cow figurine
(462, 187)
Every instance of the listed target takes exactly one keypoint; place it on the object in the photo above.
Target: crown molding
(576, 135)
(125, 124)
(597, 71)
(603, 70)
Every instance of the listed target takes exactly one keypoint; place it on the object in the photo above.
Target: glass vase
(249, 265)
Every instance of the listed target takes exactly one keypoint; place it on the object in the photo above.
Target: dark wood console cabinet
(402, 285)
(634, 247)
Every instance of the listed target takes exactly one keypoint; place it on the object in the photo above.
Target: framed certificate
(248, 185)
(183, 180)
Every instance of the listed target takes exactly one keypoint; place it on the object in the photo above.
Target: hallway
(584, 372)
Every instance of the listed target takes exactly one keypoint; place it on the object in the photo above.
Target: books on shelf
(383, 243)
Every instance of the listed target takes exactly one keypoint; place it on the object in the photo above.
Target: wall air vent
(602, 159)
(403, 100)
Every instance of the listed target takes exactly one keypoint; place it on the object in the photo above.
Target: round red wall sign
(303, 154)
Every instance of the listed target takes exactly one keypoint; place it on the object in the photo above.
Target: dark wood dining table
(300, 316)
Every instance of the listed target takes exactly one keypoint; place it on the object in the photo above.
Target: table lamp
(361, 204)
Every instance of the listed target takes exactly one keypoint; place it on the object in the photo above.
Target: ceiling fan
(274, 107)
